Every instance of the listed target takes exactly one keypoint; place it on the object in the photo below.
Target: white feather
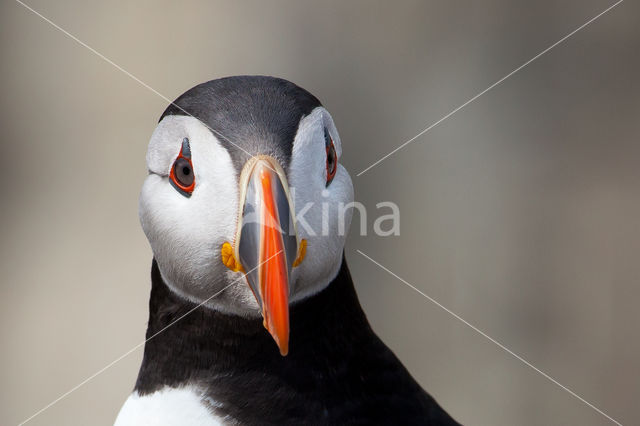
(307, 177)
(186, 234)
(169, 407)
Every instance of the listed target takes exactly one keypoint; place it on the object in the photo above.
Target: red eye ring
(181, 174)
(332, 157)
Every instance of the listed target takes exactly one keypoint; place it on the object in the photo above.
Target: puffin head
(245, 198)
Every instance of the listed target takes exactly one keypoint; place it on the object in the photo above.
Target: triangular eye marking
(181, 174)
(186, 149)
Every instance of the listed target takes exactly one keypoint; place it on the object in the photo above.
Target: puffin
(253, 315)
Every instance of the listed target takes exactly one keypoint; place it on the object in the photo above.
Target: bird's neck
(205, 343)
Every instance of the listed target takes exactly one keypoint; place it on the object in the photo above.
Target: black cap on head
(249, 115)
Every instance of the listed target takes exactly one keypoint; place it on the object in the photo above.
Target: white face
(186, 233)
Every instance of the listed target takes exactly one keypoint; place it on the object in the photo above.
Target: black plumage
(337, 372)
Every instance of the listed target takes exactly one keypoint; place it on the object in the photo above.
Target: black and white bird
(253, 315)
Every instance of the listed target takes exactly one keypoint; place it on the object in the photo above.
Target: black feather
(337, 371)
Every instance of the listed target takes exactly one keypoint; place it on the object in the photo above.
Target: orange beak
(267, 244)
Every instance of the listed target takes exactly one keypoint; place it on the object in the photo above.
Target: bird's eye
(332, 157)
(181, 174)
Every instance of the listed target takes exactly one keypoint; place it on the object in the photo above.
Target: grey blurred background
(521, 212)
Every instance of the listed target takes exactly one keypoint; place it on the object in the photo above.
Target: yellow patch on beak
(229, 259)
(302, 252)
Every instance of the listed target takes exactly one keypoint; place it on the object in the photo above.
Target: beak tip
(281, 339)
(283, 345)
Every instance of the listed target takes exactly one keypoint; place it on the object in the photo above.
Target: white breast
(169, 407)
